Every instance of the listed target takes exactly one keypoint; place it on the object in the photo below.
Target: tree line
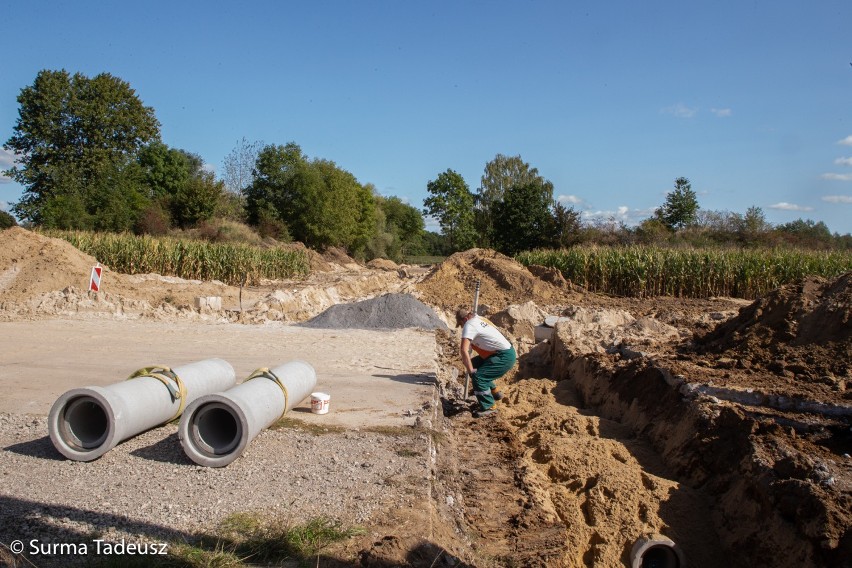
(89, 156)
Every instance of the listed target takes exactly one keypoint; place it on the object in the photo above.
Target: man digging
(495, 356)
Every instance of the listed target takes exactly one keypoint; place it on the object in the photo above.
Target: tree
(239, 165)
(196, 200)
(566, 227)
(524, 218)
(681, 206)
(502, 174)
(321, 204)
(6, 220)
(72, 133)
(404, 222)
(451, 202)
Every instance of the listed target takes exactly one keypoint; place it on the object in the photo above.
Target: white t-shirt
(484, 336)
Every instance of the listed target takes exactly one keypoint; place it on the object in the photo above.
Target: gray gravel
(147, 489)
(389, 311)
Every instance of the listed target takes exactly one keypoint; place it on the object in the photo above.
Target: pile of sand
(32, 264)
(504, 282)
(804, 328)
(390, 311)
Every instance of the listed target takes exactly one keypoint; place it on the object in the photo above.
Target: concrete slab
(375, 378)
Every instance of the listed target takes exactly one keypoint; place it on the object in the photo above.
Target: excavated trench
(596, 452)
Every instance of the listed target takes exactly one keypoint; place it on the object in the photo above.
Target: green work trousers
(489, 370)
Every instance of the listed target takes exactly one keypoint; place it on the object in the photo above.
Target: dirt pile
(504, 282)
(32, 264)
(390, 311)
(802, 329)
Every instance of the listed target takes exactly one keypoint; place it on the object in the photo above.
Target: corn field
(197, 260)
(642, 271)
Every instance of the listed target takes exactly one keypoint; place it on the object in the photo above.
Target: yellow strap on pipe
(267, 373)
(169, 378)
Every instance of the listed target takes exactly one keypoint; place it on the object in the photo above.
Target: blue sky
(611, 101)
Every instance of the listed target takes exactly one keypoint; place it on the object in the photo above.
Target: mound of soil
(802, 329)
(382, 264)
(32, 264)
(390, 311)
(504, 282)
(335, 255)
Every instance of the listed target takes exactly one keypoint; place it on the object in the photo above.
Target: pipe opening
(660, 556)
(83, 423)
(215, 429)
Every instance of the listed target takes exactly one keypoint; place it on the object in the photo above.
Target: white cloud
(843, 161)
(721, 112)
(572, 199)
(622, 213)
(837, 198)
(208, 167)
(680, 110)
(837, 177)
(7, 160)
(784, 206)
(4, 206)
(846, 141)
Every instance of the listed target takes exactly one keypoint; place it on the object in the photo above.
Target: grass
(645, 271)
(242, 540)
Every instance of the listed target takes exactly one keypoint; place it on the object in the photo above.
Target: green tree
(196, 200)
(72, 133)
(320, 203)
(502, 174)
(524, 218)
(681, 206)
(6, 220)
(566, 226)
(405, 223)
(451, 203)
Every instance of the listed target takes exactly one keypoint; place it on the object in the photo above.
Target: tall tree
(405, 223)
(524, 218)
(239, 164)
(451, 202)
(502, 174)
(681, 206)
(72, 133)
(320, 203)
(566, 228)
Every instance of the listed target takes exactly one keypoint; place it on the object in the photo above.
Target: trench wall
(713, 447)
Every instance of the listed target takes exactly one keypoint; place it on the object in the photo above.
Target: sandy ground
(373, 377)
(721, 424)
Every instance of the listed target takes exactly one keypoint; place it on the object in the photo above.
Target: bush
(7, 220)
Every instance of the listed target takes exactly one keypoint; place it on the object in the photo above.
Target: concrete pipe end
(656, 551)
(213, 431)
(82, 425)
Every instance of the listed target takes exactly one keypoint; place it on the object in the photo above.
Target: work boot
(483, 413)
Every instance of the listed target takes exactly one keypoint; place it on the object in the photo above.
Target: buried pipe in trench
(85, 423)
(656, 552)
(216, 428)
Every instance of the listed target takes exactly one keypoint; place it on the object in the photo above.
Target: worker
(495, 356)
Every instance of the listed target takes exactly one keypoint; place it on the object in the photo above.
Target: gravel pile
(147, 490)
(390, 311)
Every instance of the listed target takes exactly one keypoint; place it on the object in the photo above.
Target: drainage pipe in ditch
(656, 551)
(216, 428)
(85, 423)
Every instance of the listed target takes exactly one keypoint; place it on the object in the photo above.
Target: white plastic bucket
(319, 402)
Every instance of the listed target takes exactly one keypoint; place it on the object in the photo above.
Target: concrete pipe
(216, 428)
(656, 552)
(86, 423)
